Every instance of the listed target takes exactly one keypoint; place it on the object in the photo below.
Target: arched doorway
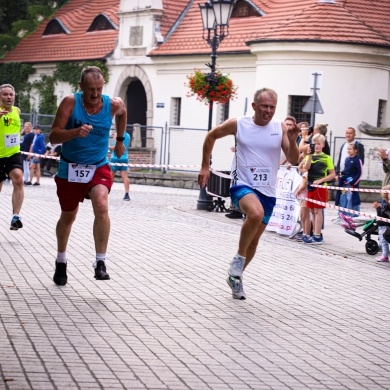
(136, 103)
(137, 106)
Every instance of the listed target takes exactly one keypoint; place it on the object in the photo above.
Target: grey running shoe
(237, 287)
(237, 266)
(16, 223)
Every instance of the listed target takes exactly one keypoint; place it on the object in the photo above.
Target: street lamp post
(215, 18)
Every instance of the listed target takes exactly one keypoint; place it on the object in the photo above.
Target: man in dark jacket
(350, 134)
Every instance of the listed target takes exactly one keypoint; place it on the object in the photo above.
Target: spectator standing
(350, 134)
(290, 122)
(37, 147)
(124, 159)
(25, 146)
(320, 170)
(383, 210)
(385, 157)
(259, 140)
(52, 150)
(350, 177)
(11, 161)
(82, 125)
(307, 137)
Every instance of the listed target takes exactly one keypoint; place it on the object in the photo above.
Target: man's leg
(126, 181)
(63, 229)
(253, 209)
(251, 231)
(101, 228)
(26, 170)
(38, 172)
(16, 176)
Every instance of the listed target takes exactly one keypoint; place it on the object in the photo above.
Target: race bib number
(12, 140)
(260, 176)
(81, 173)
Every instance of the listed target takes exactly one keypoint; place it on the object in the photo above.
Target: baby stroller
(371, 227)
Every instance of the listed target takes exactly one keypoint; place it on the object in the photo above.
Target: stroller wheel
(372, 247)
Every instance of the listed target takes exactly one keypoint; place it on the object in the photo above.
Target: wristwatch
(121, 139)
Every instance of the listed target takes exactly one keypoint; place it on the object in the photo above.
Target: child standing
(320, 170)
(383, 210)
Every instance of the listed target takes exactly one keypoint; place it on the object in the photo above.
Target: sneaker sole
(59, 282)
(16, 226)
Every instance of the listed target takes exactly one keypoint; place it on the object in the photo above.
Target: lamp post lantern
(215, 18)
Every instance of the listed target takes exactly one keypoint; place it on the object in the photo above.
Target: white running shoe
(237, 287)
(237, 266)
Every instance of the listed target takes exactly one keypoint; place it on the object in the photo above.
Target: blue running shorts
(268, 202)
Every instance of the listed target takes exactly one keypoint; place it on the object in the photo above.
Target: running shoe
(382, 259)
(237, 287)
(60, 278)
(16, 223)
(126, 197)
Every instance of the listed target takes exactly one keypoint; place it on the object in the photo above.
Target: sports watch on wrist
(121, 139)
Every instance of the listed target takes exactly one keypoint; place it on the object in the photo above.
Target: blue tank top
(93, 148)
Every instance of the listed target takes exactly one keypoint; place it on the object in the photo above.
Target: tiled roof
(343, 21)
(76, 16)
(351, 21)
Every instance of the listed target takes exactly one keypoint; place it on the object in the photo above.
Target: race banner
(286, 211)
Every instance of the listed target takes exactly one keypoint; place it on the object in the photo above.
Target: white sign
(286, 210)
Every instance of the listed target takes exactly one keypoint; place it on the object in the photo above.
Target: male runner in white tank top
(259, 140)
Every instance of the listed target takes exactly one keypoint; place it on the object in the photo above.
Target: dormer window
(102, 22)
(55, 26)
(242, 9)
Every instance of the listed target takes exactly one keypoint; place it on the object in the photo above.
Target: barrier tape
(339, 208)
(122, 164)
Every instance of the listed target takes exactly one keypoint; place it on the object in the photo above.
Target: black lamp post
(215, 18)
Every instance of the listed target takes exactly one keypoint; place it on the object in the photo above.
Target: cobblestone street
(314, 318)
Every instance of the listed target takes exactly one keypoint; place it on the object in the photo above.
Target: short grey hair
(269, 91)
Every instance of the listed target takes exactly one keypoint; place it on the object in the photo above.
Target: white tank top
(256, 161)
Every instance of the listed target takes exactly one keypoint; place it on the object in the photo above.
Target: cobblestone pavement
(314, 318)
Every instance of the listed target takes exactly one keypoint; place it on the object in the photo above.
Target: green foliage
(17, 75)
(47, 99)
(70, 71)
(7, 42)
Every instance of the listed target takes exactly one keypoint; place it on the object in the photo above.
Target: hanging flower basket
(211, 87)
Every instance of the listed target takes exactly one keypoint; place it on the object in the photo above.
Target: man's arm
(58, 133)
(119, 111)
(229, 127)
(289, 143)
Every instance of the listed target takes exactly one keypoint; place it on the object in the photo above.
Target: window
(102, 22)
(175, 111)
(296, 104)
(242, 9)
(381, 113)
(223, 112)
(55, 26)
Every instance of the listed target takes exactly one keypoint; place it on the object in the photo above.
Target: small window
(381, 113)
(296, 105)
(175, 111)
(242, 9)
(55, 26)
(102, 22)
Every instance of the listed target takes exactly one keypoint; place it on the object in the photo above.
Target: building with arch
(151, 46)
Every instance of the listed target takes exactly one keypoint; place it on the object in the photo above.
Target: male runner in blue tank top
(82, 125)
(259, 140)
